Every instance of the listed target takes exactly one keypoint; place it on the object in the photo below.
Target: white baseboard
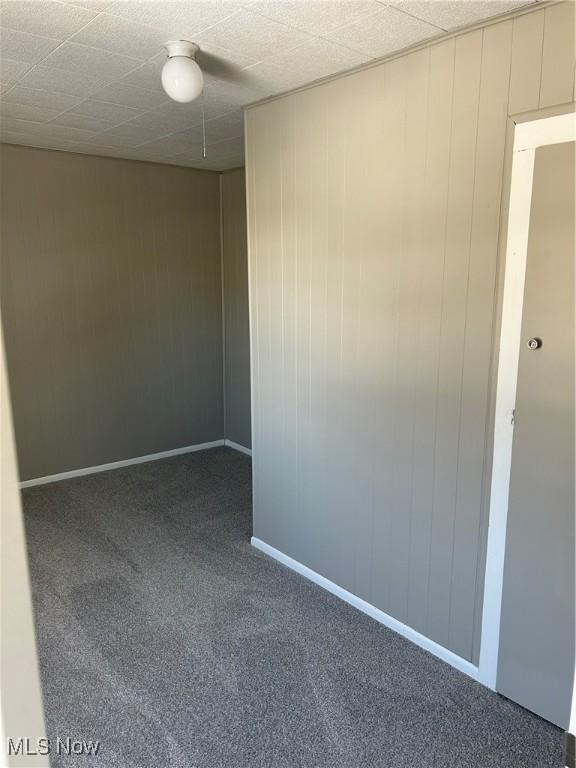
(119, 464)
(238, 447)
(383, 618)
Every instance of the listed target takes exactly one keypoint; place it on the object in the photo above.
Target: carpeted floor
(164, 635)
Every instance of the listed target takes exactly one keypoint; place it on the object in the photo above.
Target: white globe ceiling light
(181, 76)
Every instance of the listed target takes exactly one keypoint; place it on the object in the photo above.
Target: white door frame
(527, 138)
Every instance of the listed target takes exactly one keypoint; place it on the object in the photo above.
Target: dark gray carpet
(166, 636)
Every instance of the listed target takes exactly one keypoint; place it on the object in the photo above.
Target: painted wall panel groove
(376, 209)
(492, 119)
(467, 75)
(435, 219)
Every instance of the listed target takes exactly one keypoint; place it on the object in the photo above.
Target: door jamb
(528, 136)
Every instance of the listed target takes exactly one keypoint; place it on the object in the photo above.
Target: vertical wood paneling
(235, 299)
(252, 133)
(389, 190)
(370, 149)
(335, 201)
(480, 291)
(373, 317)
(315, 435)
(288, 444)
(430, 315)
(306, 464)
(451, 341)
(558, 54)
(526, 68)
(349, 443)
(266, 201)
(416, 107)
(111, 304)
(273, 383)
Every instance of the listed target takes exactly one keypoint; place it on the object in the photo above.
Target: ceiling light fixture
(181, 76)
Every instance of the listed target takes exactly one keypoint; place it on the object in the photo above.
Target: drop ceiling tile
(217, 104)
(229, 147)
(130, 96)
(317, 17)
(20, 46)
(66, 133)
(62, 81)
(148, 155)
(102, 140)
(47, 18)
(10, 70)
(456, 13)
(271, 79)
(236, 93)
(179, 18)
(222, 63)
(91, 5)
(45, 142)
(27, 112)
(17, 125)
(147, 75)
(91, 61)
(100, 151)
(246, 31)
(217, 131)
(175, 116)
(43, 130)
(384, 32)
(192, 158)
(84, 122)
(228, 126)
(153, 122)
(248, 50)
(169, 146)
(121, 36)
(318, 58)
(9, 137)
(115, 113)
(35, 97)
(178, 117)
(233, 162)
(214, 163)
(127, 135)
(131, 135)
(192, 153)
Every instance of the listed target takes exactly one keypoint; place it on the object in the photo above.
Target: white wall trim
(527, 137)
(118, 464)
(238, 447)
(547, 130)
(383, 618)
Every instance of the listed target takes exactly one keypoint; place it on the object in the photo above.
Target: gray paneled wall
(374, 215)
(111, 306)
(236, 320)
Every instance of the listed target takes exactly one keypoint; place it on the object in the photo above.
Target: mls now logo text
(58, 746)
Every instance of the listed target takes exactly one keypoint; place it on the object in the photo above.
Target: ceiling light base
(181, 48)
